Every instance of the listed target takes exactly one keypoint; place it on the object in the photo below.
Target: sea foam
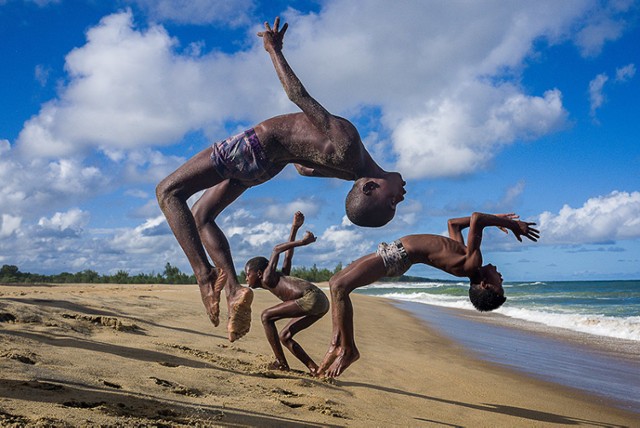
(601, 325)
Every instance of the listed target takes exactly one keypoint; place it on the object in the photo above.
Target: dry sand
(141, 355)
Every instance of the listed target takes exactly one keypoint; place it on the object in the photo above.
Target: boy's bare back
(293, 138)
(437, 251)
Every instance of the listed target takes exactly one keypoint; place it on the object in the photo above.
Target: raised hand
(298, 219)
(308, 238)
(525, 229)
(509, 216)
(272, 38)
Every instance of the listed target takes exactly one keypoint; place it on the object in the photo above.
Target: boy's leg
(342, 351)
(291, 329)
(172, 193)
(205, 211)
(288, 309)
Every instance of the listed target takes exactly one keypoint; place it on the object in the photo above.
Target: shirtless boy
(318, 144)
(301, 300)
(448, 254)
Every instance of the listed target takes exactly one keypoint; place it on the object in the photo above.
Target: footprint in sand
(291, 404)
(112, 322)
(111, 384)
(83, 404)
(7, 317)
(176, 388)
(327, 409)
(45, 386)
(12, 355)
(7, 419)
(284, 392)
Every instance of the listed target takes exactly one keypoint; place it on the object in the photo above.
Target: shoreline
(136, 355)
(603, 366)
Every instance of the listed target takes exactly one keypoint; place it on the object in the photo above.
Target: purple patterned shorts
(242, 158)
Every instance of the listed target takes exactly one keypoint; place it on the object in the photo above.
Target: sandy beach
(146, 355)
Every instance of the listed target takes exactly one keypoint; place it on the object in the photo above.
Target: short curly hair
(365, 211)
(257, 263)
(485, 299)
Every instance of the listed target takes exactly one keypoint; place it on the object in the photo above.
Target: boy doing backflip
(448, 254)
(301, 300)
(318, 143)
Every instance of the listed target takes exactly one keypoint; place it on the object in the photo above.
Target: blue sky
(526, 107)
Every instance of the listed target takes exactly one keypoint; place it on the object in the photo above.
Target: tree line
(10, 274)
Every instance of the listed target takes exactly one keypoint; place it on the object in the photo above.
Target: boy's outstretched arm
(504, 222)
(456, 226)
(270, 274)
(272, 39)
(298, 221)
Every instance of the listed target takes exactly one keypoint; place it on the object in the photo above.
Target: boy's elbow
(476, 218)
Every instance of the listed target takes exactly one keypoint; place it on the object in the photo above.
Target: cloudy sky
(494, 106)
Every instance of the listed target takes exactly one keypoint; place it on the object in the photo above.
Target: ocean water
(603, 308)
(590, 330)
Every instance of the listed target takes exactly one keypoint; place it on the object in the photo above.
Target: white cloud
(615, 216)
(460, 135)
(601, 26)
(150, 237)
(343, 239)
(596, 96)
(596, 86)
(626, 73)
(41, 74)
(308, 207)
(32, 188)
(72, 219)
(449, 95)
(137, 193)
(9, 225)
(131, 89)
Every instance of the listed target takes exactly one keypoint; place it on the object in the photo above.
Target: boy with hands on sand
(448, 254)
(318, 143)
(301, 300)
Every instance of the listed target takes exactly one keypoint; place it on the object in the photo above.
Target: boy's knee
(162, 190)
(337, 287)
(266, 318)
(285, 336)
(198, 216)
(165, 190)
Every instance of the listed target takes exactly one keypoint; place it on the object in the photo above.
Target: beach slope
(147, 355)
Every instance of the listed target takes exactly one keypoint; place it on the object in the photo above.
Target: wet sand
(605, 366)
(141, 355)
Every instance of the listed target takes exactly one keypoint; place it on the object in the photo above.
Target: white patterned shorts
(395, 258)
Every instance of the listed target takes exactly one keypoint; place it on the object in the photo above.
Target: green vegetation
(10, 274)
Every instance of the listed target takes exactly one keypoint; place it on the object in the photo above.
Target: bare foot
(313, 369)
(239, 313)
(329, 357)
(277, 365)
(211, 294)
(344, 359)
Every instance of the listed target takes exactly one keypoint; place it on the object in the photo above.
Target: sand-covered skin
(141, 355)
